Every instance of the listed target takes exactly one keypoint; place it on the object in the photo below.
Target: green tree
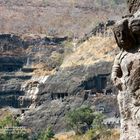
(8, 120)
(89, 120)
(11, 133)
(98, 129)
(98, 121)
(46, 135)
(80, 118)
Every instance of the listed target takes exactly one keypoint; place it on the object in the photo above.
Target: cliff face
(45, 77)
(33, 81)
(19, 55)
(73, 85)
(70, 88)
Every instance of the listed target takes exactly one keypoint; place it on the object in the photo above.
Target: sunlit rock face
(32, 89)
(129, 97)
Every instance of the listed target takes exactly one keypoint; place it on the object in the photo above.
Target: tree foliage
(46, 135)
(8, 120)
(83, 118)
(9, 129)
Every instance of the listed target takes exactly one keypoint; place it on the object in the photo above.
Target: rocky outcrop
(67, 80)
(52, 112)
(32, 89)
(18, 55)
(45, 91)
(70, 88)
(133, 5)
(12, 52)
(10, 88)
(101, 28)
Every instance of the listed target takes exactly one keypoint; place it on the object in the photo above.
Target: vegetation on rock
(11, 130)
(48, 134)
(88, 125)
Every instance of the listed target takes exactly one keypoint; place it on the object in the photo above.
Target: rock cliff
(45, 77)
(17, 60)
(73, 85)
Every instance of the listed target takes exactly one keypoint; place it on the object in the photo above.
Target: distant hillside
(71, 17)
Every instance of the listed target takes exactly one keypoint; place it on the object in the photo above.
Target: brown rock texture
(128, 96)
(133, 5)
(126, 73)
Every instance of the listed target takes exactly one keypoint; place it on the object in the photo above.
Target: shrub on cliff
(11, 130)
(89, 124)
(8, 121)
(83, 118)
(48, 134)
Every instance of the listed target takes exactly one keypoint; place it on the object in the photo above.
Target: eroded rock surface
(45, 94)
(70, 88)
(126, 74)
(133, 5)
(128, 96)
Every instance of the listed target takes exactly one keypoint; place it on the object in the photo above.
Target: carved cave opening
(9, 68)
(13, 100)
(55, 96)
(97, 83)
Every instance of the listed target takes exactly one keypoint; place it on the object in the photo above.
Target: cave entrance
(101, 82)
(9, 67)
(55, 96)
(12, 99)
(97, 83)
(90, 84)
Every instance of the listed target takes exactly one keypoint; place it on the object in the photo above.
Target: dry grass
(42, 70)
(65, 136)
(64, 17)
(71, 136)
(91, 51)
(4, 112)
